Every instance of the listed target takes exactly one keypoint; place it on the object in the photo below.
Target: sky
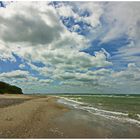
(71, 47)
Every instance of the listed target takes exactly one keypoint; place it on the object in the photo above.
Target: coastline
(44, 117)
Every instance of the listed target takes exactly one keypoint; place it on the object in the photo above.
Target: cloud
(23, 79)
(5, 52)
(88, 78)
(123, 18)
(57, 61)
(45, 81)
(122, 81)
(131, 73)
(40, 30)
(95, 11)
(22, 66)
(76, 10)
(35, 33)
(129, 53)
(66, 11)
(25, 35)
(46, 40)
(15, 74)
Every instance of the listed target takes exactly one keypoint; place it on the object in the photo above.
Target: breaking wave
(123, 117)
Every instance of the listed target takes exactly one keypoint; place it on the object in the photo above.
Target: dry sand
(29, 118)
(24, 116)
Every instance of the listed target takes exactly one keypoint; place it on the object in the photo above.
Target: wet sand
(43, 117)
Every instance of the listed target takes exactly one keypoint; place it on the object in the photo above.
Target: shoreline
(91, 109)
(45, 117)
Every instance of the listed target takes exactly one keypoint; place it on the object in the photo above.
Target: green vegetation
(10, 89)
(126, 104)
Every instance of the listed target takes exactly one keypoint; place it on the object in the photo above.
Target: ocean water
(115, 115)
(85, 119)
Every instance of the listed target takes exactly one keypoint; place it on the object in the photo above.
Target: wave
(120, 116)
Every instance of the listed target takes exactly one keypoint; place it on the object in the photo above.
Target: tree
(10, 89)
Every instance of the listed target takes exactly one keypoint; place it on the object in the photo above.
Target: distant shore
(34, 116)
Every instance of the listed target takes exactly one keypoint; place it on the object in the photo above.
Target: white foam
(123, 117)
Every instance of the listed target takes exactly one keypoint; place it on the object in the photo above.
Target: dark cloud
(32, 29)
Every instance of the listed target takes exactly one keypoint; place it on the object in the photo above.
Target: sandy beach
(28, 117)
(24, 116)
